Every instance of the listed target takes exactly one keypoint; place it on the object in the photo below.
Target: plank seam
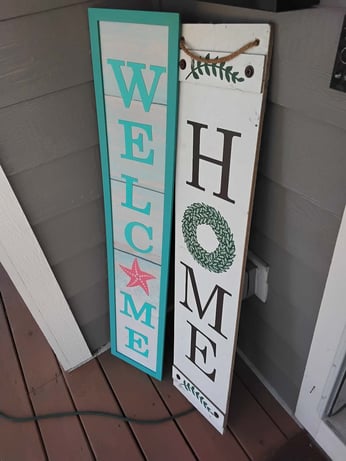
(177, 424)
(23, 101)
(2, 300)
(121, 407)
(50, 161)
(78, 416)
(242, 446)
(11, 18)
(260, 404)
(293, 190)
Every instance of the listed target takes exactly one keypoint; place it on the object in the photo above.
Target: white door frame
(28, 268)
(326, 355)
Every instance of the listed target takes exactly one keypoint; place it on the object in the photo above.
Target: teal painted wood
(126, 247)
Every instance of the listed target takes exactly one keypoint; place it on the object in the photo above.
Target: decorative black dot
(216, 414)
(182, 64)
(249, 71)
(178, 376)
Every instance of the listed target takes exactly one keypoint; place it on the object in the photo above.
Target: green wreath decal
(219, 260)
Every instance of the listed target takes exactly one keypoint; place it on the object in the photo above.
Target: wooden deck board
(63, 438)
(205, 441)
(139, 399)
(90, 391)
(31, 382)
(277, 413)
(253, 428)
(14, 400)
(299, 448)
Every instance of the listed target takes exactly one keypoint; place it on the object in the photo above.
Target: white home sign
(220, 117)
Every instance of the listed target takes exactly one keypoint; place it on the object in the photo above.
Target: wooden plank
(138, 398)
(25, 7)
(271, 406)
(37, 58)
(71, 233)
(24, 260)
(90, 303)
(253, 428)
(292, 145)
(265, 347)
(298, 448)
(90, 308)
(295, 282)
(301, 64)
(96, 333)
(295, 224)
(205, 441)
(90, 391)
(59, 186)
(81, 271)
(14, 401)
(13, 9)
(43, 378)
(294, 326)
(47, 128)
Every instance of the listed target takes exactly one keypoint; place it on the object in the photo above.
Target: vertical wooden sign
(220, 117)
(135, 55)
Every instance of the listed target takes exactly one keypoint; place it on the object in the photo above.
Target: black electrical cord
(105, 414)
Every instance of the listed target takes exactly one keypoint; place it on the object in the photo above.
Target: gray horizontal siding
(297, 283)
(97, 332)
(306, 156)
(272, 356)
(40, 130)
(12, 9)
(70, 233)
(52, 188)
(44, 53)
(80, 271)
(295, 224)
(90, 304)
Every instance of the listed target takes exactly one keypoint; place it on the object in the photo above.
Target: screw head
(182, 64)
(249, 71)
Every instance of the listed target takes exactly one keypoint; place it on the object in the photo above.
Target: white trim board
(28, 268)
(326, 354)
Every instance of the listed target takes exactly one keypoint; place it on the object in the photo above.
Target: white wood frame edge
(28, 268)
(326, 354)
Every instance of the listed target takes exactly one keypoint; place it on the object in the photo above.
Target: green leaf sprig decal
(221, 71)
(191, 388)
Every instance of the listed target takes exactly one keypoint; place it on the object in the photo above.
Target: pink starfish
(137, 276)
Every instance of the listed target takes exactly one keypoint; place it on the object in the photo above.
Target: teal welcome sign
(135, 60)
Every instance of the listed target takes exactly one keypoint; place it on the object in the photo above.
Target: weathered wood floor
(31, 382)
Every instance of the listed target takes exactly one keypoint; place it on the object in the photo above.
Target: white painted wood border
(28, 268)
(326, 353)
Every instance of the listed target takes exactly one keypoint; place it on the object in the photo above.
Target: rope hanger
(226, 58)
